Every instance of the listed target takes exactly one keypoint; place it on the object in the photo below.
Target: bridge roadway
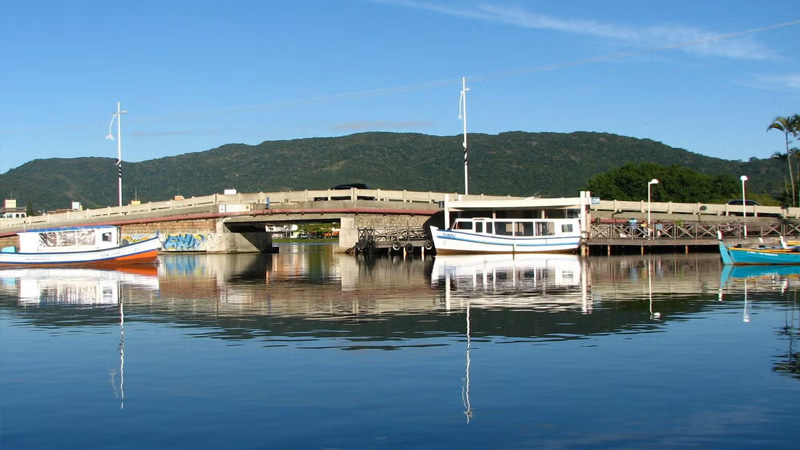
(238, 221)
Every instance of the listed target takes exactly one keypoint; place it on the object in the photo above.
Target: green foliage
(675, 184)
(512, 163)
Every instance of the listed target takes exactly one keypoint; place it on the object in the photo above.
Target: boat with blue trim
(87, 246)
(508, 225)
(760, 255)
(493, 235)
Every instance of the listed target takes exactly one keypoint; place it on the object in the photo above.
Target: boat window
(545, 229)
(66, 238)
(462, 225)
(479, 227)
(47, 239)
(106, 237)
(525, 229)
(566, 228)
(504, 228)
(489, 227)
(85, 237)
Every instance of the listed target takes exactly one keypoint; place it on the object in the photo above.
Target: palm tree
(782, 157)
(788, 125)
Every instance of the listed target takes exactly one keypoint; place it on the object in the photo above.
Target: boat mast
(117, 115)
(462, 114)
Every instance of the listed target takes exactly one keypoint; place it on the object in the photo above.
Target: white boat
(488, 235)
(530, 225)
(88, 246)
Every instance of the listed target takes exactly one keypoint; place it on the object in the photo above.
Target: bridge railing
(239, 202)
(222, 203)
(697, 209)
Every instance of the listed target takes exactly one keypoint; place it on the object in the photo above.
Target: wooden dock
(613, 238)
(405, 240)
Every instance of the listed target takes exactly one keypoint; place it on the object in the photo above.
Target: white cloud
(690, 40)
(788, 82)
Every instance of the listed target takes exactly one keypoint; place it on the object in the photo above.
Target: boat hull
(454, 242)
(142, 252)
(759, 256)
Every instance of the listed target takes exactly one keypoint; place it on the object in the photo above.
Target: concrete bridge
(238, 223)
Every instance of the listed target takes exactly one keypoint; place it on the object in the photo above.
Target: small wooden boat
(738, 255)
(89, 246)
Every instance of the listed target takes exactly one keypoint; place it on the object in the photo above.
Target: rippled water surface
(314, 349)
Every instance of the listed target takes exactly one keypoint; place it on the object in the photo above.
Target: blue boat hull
(763, 256)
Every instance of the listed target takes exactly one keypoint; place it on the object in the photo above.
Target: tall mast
(117, 115)
(119, 152)
(462, 114)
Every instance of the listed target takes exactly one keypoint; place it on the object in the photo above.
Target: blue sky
(708, 76)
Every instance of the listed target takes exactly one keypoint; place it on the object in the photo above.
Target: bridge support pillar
(348, 233)
(244, 242)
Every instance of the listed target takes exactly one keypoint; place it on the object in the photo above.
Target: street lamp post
(117, 115)
(649, 224)
(744, 204)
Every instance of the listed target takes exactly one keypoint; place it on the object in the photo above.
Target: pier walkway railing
(665, 231)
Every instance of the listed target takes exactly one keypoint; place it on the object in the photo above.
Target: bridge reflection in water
(311, 281)
(498, 329)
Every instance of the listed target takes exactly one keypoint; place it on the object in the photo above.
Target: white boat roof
(519, 203)
(90, 227)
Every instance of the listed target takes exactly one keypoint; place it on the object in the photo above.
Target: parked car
(738, 201)
(342, 187)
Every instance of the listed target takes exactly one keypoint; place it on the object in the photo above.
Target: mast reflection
(83, 288)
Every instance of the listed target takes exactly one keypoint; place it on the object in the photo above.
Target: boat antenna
(462, 115)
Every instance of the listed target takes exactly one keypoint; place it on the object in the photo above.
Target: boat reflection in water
(768, 279)
(550, 282)
(530, 281)
(73, 286)
(84, 288)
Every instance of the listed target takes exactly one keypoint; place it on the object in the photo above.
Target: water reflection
(75, 286)
(80, 297)
(519, 348)
(782, 280)
(313, 291)
(548, 282)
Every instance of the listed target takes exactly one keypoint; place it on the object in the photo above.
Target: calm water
(312, 349)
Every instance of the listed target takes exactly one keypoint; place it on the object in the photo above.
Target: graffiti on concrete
(133, 238)
(186, 242)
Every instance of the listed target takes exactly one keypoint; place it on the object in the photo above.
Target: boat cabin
(73, 239)
(517, 227)
(519, 217)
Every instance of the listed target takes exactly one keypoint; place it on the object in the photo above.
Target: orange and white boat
(88, 246)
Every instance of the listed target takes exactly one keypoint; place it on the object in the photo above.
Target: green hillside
(513, 163)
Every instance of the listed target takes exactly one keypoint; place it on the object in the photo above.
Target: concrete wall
(348, 234)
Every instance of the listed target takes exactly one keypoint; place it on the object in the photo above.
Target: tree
(782, 157)
(676, 184)
(789, 125)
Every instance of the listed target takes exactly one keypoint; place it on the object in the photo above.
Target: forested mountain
(513, 163)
